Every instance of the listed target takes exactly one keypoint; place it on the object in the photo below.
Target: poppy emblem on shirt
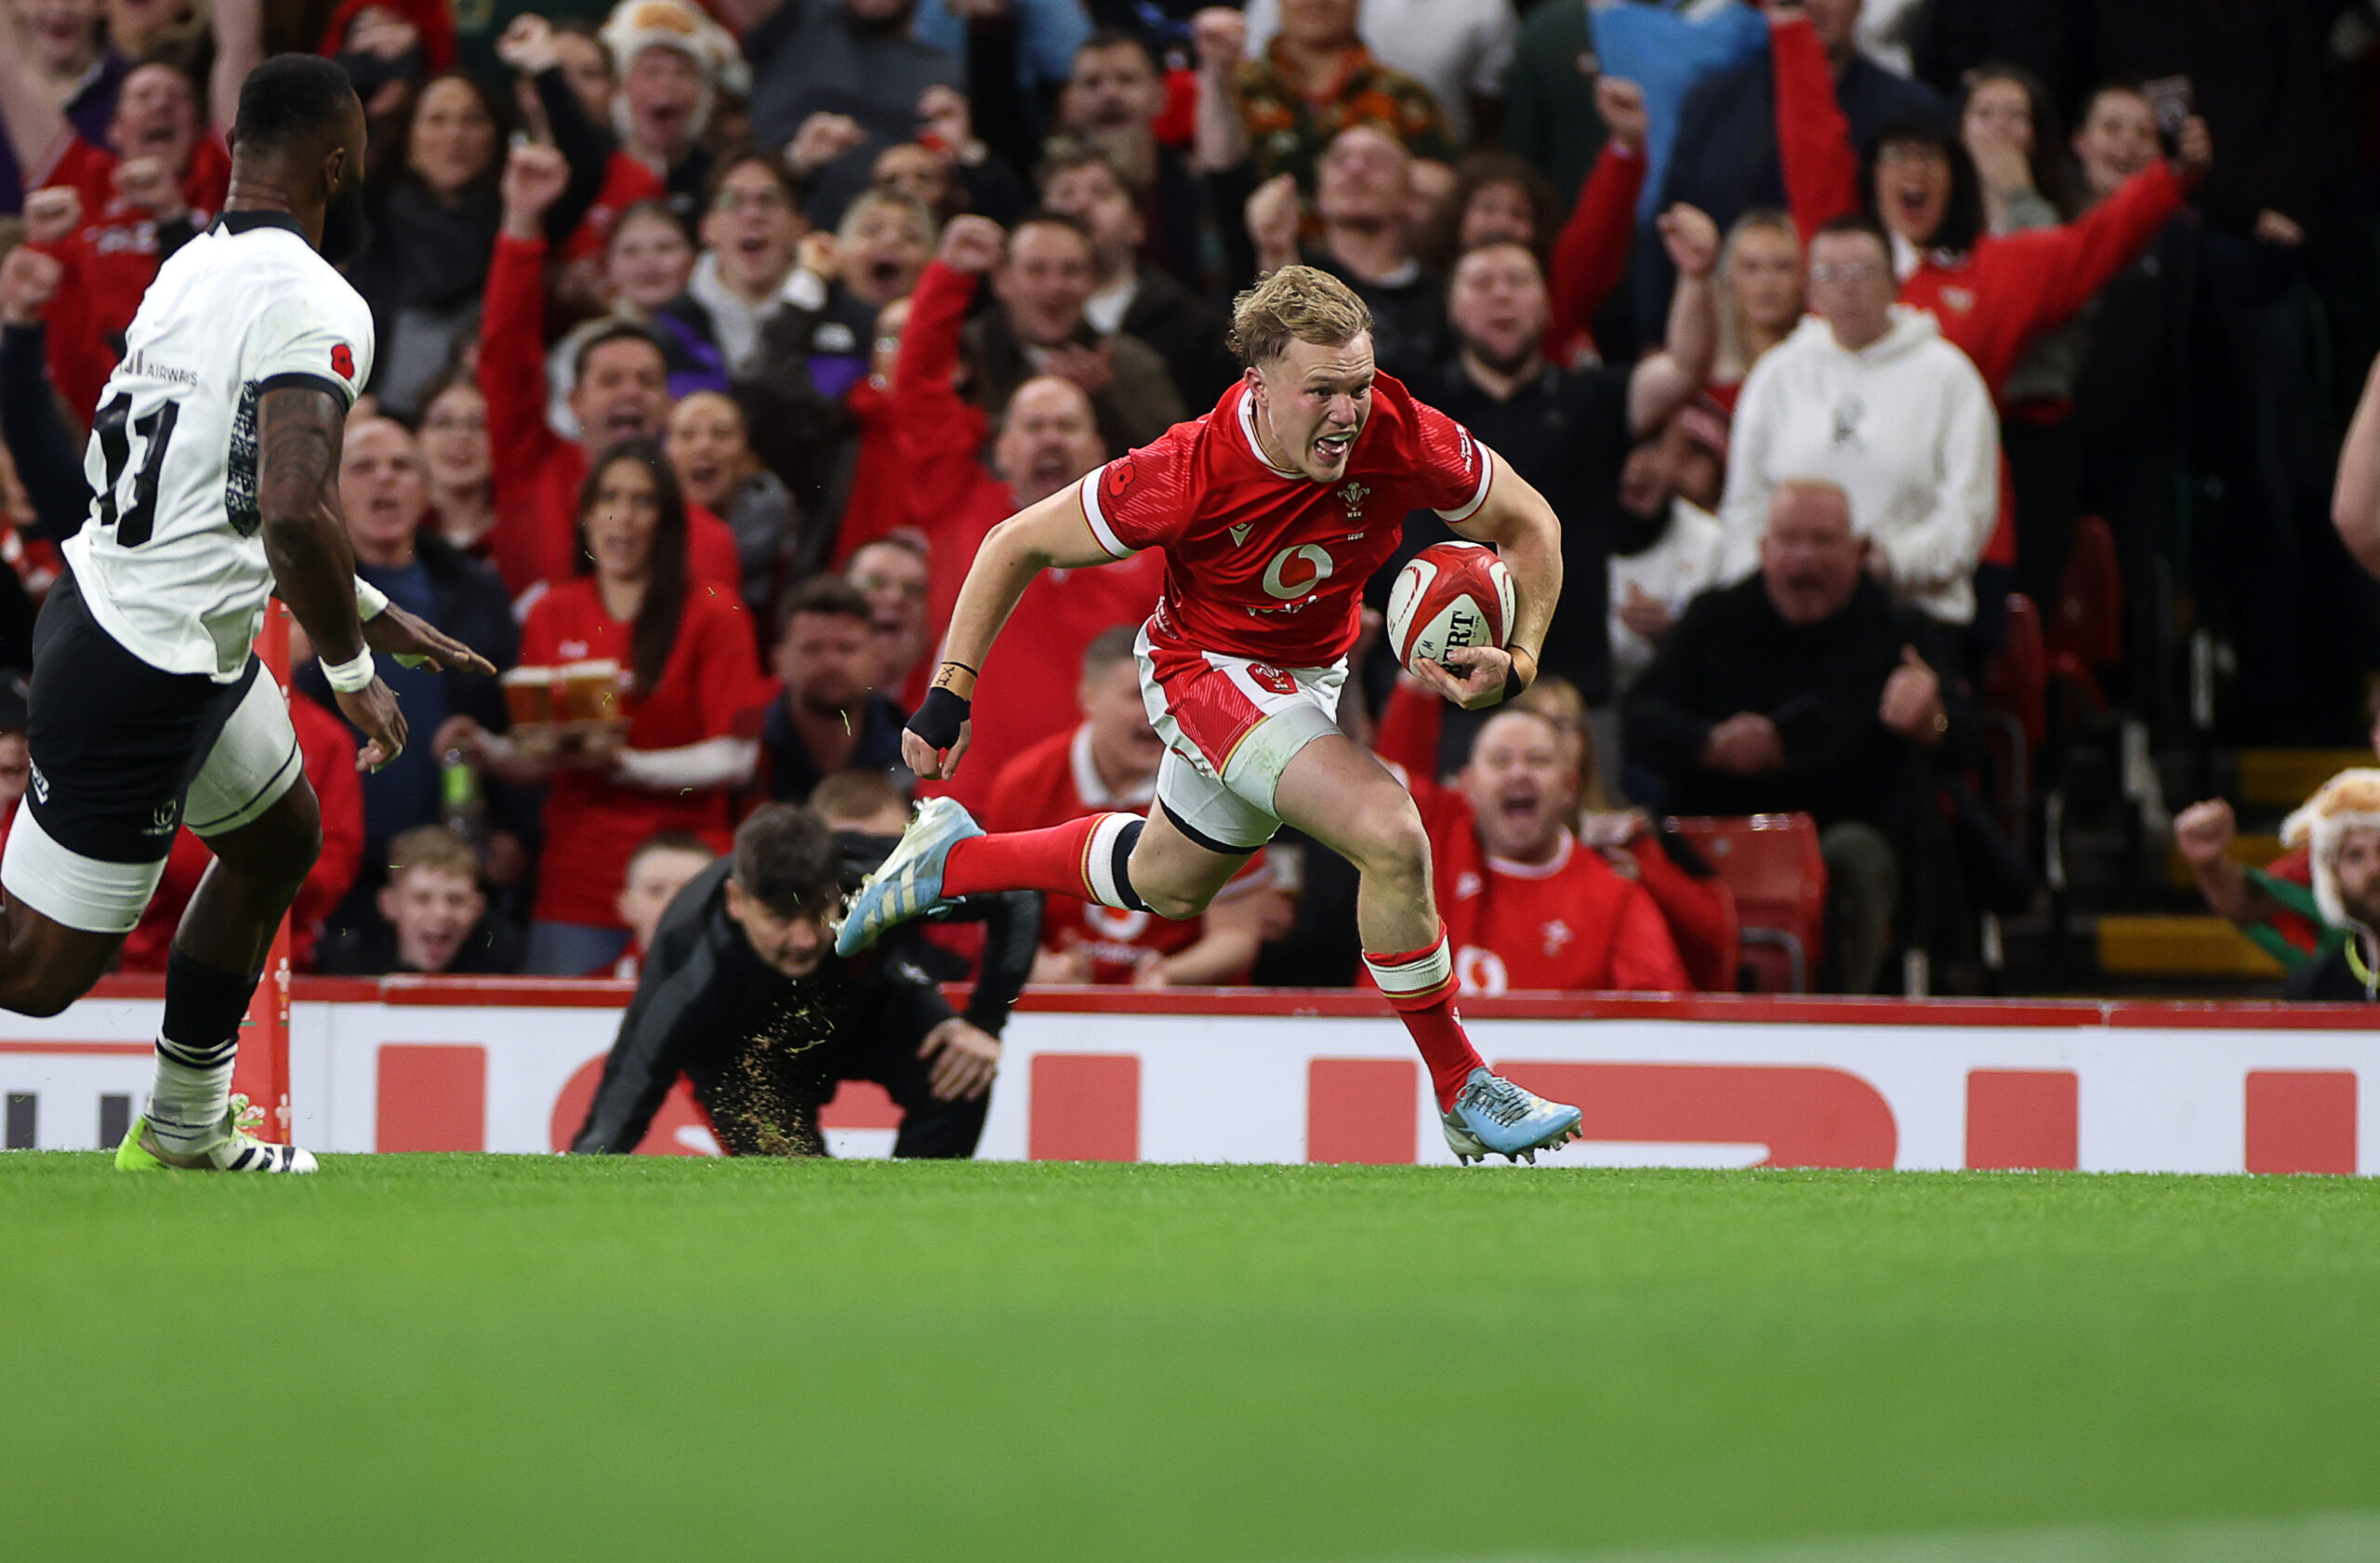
(1116, 480)
(343, 361)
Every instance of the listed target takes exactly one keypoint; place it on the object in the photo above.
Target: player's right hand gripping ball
(1449, 595)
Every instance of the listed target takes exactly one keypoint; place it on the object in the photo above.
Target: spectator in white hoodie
(1866, 392)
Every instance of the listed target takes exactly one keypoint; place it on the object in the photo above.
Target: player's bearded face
(1311, 402)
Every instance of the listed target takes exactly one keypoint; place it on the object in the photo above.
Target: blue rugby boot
(1492, 1114)
(909, 883)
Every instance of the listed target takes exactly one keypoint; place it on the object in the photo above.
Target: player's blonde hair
(1296, 303)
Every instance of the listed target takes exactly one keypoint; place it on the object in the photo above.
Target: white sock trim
(1099, 868)
(1419, 975)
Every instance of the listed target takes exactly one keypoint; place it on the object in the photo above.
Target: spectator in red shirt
(1527, 905)
(1050, 438)
(567, 57)
(56, 59)
(110, 215)
(1994, 294)
(1108, 763)
(916, 430)
(1047, 442)
(619, 392)
(689, 703)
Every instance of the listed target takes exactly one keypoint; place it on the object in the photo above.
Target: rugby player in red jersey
(1273, 511)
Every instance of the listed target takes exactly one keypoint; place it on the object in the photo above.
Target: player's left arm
(1528, 537)
(301, 426)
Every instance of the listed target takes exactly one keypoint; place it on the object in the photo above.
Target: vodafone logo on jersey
(343, 361)
(1295, 571)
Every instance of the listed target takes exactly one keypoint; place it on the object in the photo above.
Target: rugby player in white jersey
(213, 470)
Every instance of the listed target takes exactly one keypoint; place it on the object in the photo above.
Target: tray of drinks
(578, 706)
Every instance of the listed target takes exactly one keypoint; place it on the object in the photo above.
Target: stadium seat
(2088, 635)
(1770, 864)
(2017, 684)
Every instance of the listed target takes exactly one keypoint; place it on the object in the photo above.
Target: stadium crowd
(711, 341)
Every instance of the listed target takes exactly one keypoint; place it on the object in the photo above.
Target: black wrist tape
(940, 718)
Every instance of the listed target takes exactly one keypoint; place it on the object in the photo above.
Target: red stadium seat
(2089, 629)
(2017, 681)
(1770, 863)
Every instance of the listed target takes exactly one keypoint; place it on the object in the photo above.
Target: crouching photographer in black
(743, 993)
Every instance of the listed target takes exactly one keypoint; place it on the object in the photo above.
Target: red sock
(1079, 858)
(1420, 986)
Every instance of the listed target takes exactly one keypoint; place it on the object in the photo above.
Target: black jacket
(1136, 405)
(757, 1044)
(1821, 684)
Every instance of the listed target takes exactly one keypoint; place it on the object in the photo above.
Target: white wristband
(370, 600)
(352, 676)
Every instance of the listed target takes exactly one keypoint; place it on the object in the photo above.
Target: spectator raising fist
(2202, 833)
(1218, 37)
(971, 245)
(1912, 702)
(822, 140)
(534, 177)
(1691, 238)
(149, 184)
(1621, 105)
(28, 282)
(528, 46)
(51, 214)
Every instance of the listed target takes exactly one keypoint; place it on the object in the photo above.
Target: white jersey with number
(169, 560)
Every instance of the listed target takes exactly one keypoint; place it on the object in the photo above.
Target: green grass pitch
(453, 1357)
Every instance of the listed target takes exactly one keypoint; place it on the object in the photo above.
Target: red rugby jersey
(1271, 565)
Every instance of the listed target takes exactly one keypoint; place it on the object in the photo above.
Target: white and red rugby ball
(1447, 596)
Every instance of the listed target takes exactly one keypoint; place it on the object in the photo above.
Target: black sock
(203, 1008)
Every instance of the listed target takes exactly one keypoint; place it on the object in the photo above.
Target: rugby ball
(1447, 596)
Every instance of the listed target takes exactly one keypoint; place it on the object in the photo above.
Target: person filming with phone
(1807, 688)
